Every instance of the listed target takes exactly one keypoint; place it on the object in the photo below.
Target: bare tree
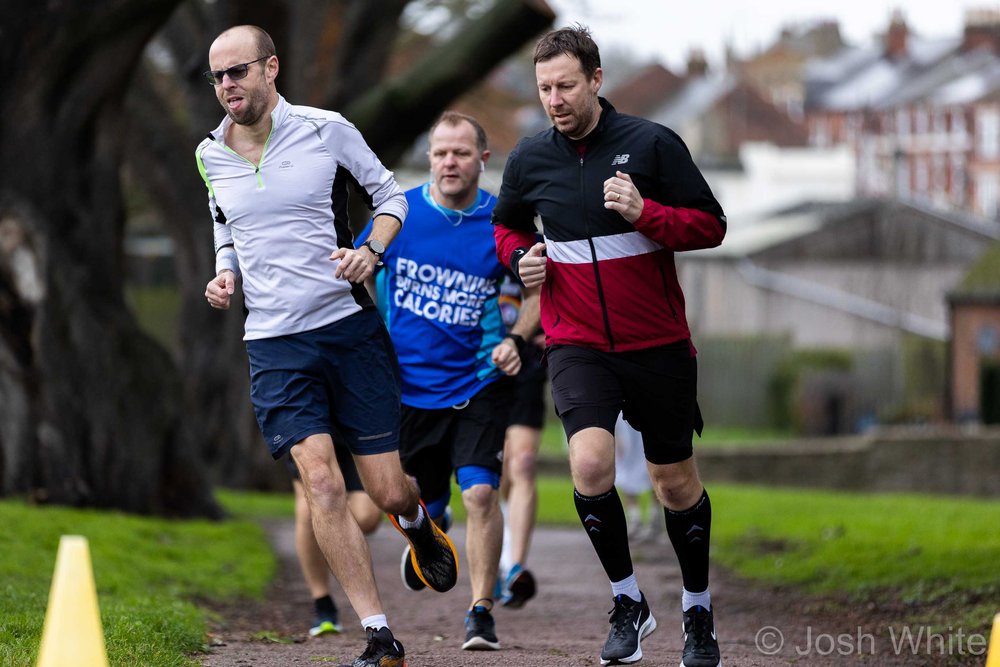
(92, 411)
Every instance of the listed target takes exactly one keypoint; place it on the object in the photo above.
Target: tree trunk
(106, 427)
(213, 359)
(92, 411)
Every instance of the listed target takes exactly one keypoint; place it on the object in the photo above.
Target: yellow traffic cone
(72, 633)
(993, 657)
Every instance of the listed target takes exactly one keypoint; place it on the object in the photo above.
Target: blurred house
(715, 113)
(922, 115)
(974, 350)
(754, 154)
(864, 280)
(778, 69)
(858, 274)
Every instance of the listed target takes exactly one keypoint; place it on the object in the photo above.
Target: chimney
(895, 38)
(982, 29)
(697, 66)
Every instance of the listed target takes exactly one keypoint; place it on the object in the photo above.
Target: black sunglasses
(235, 73)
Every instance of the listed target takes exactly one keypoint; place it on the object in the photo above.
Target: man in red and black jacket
(617, 197)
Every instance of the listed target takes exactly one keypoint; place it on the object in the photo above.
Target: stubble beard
(254, 104)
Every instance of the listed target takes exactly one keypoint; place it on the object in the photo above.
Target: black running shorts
(433, 443)
(655, 389)
(529, 390)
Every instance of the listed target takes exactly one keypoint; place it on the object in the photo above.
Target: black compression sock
(603, 518)
(689, 532)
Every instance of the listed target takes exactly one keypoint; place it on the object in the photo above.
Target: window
(958, 122)
(903, 122)
(958, 179)
(988, 133)
(920, 121)
(902, 177)
(986, 194)
(921, 179)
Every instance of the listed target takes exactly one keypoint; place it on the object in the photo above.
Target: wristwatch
(376, 248)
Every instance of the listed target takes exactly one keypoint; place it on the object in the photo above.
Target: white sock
(505, 562)
(403, 523)
(689, 599)
(375, 621)
(627, 586)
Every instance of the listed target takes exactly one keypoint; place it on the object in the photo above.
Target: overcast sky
(667, 29)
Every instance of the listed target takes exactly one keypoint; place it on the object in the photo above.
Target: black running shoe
(406, 570)
(701, 648)
(432, 553)
(326, 618)
(408, 573)
(480, 630)
(630, 621)
(382, 651)
(519, 588)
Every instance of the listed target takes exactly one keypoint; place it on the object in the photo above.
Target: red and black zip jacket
(609, 285)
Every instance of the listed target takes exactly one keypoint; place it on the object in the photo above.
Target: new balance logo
(620, 159)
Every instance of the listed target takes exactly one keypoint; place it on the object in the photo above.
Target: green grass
(256, 505)
(146, 571)
(923, 548)
(554, 438)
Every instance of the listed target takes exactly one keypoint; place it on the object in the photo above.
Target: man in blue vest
(439, 292)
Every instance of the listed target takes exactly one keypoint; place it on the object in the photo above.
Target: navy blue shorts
(341, 379)
(352, 479)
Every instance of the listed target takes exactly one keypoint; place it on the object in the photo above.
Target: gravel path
(565, 625)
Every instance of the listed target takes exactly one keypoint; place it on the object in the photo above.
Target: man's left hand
(621, 195)
(506, 357)
(355, 265)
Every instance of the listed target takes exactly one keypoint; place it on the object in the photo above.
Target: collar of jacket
(607, 113)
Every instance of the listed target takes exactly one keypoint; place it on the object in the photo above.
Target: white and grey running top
(278, 222)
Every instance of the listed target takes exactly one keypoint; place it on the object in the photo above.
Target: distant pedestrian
(518, 491)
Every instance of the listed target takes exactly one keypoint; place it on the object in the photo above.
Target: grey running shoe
(382, 651)
(631, 621)
(701, 648)
(432, 553)
(480, 630)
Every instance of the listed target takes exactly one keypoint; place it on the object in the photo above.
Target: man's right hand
(531, 268)
(219, 289)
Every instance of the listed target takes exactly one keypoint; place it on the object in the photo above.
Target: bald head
(251, 36)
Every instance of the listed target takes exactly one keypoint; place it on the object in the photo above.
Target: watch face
(376, 246)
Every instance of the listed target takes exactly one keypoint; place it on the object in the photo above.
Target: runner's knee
(479, 499)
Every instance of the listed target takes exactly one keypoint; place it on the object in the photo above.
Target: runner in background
(519, 497)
